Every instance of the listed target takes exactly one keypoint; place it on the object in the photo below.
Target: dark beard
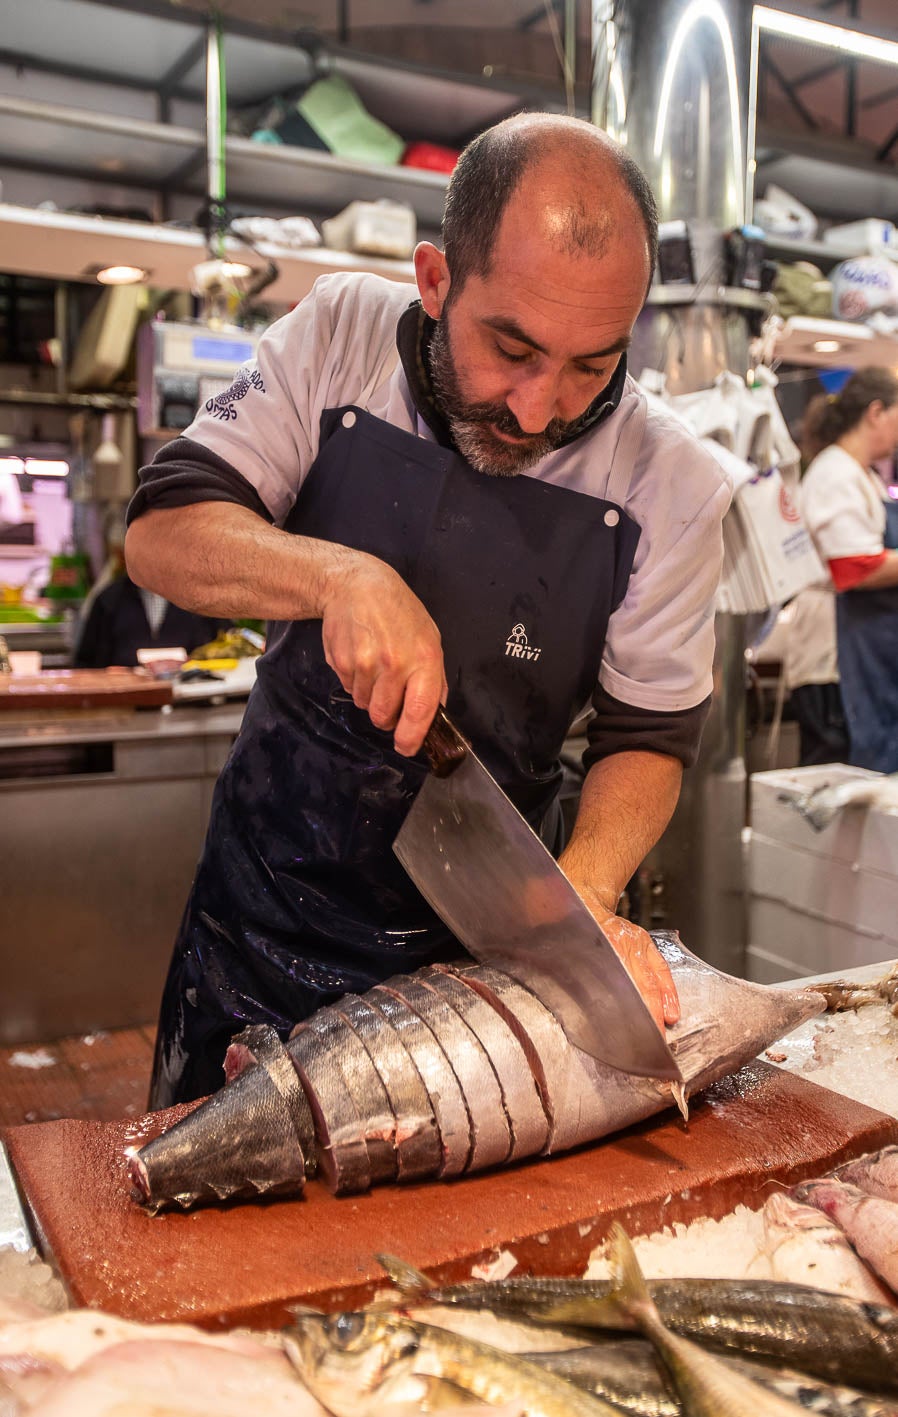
(472, 425)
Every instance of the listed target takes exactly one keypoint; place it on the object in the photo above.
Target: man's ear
(432, 275)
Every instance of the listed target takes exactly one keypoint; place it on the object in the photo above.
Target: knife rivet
(612, 517)
(348, 420)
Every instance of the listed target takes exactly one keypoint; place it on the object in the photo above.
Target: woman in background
(854, 523)
(810, 663)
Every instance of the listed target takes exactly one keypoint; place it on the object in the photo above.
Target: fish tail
(409, 1280)
(630, 1290)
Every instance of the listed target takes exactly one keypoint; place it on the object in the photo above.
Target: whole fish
(870, 1223)
(803, 1246)
(820, 806)
(876, 1173)
(628, 1374)
(707, 1385)
(361, 1087)
(826, 1335)
(354, 1363)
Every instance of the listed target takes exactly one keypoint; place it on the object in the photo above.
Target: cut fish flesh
(342, 1154)
(519, 1093)
(418, 1148)
(436, 1073)
(490, 1132)
(364, 1085)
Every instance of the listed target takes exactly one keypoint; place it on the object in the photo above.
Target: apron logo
(517, 646)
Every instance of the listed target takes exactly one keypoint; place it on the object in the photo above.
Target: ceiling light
(15, 465)
(864, 46)
(826, 346)
(121, 275)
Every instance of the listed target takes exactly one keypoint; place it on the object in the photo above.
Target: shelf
(38, 398)
(859, 345)
(824, 254)
(725, 297)
(64, 246)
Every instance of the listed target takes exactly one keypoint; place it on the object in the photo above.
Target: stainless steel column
(671, 84)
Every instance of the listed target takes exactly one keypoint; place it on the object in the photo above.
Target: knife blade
(490, 879)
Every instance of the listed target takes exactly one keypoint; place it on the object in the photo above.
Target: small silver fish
(354, 1363)
(707, 1385)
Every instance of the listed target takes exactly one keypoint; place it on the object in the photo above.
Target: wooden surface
(246, 1264)
(82, 688)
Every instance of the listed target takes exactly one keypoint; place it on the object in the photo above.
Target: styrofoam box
(818, 901)
(871, 234)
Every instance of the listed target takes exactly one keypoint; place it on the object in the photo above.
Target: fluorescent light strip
(46, 467)
(864, 46)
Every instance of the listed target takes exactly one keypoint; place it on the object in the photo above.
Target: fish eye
(345, 1328)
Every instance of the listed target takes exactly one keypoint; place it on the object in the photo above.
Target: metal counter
(102, 819)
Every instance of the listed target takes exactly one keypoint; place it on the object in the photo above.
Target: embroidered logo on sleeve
(517, 646)
(222, 405)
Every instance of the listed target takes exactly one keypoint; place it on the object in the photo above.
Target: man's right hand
(384, 648)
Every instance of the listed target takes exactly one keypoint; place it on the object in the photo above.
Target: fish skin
(803, 1246)
(260, 1043)
(707, 1385)
(826, 1335)
(366, 1089)
(870, 1223)
(519, 1095)
(876, 1173)
(342, 1153)
(471, 1064)
(819, 807)
(240, 1144)
(628, 1374)
(442, 1085)
(351, 1372)
(418, 1147)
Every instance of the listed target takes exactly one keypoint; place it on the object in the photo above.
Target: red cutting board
(246, 1263)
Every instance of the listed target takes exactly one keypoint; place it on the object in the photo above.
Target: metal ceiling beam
(883, 152)
(800, 108)
(198, 19)
(823, 71)
(875, 99)
(169, 81)
(18, 60)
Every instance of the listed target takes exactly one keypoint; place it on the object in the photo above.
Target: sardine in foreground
(439, 1074)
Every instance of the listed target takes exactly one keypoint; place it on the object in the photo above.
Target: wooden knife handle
(444, 745)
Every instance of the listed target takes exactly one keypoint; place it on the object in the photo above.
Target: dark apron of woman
(867, 629)
(298, 897)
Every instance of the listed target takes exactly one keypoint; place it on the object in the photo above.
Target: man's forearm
(626, 802)
(221, 559)
(380, 641)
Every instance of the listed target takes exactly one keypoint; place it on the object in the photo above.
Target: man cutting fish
(461, 499)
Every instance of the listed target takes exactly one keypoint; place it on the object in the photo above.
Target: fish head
(351, 1361)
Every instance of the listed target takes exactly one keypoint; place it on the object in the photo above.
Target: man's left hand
(646, 966)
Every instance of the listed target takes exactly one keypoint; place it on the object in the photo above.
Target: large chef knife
(488, 876)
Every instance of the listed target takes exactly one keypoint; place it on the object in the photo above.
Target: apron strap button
(348, 419)
(612, 517)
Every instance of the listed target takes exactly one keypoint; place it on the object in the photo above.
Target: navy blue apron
(298, 897)
(867, 635)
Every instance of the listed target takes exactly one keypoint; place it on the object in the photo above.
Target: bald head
(559, 174)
